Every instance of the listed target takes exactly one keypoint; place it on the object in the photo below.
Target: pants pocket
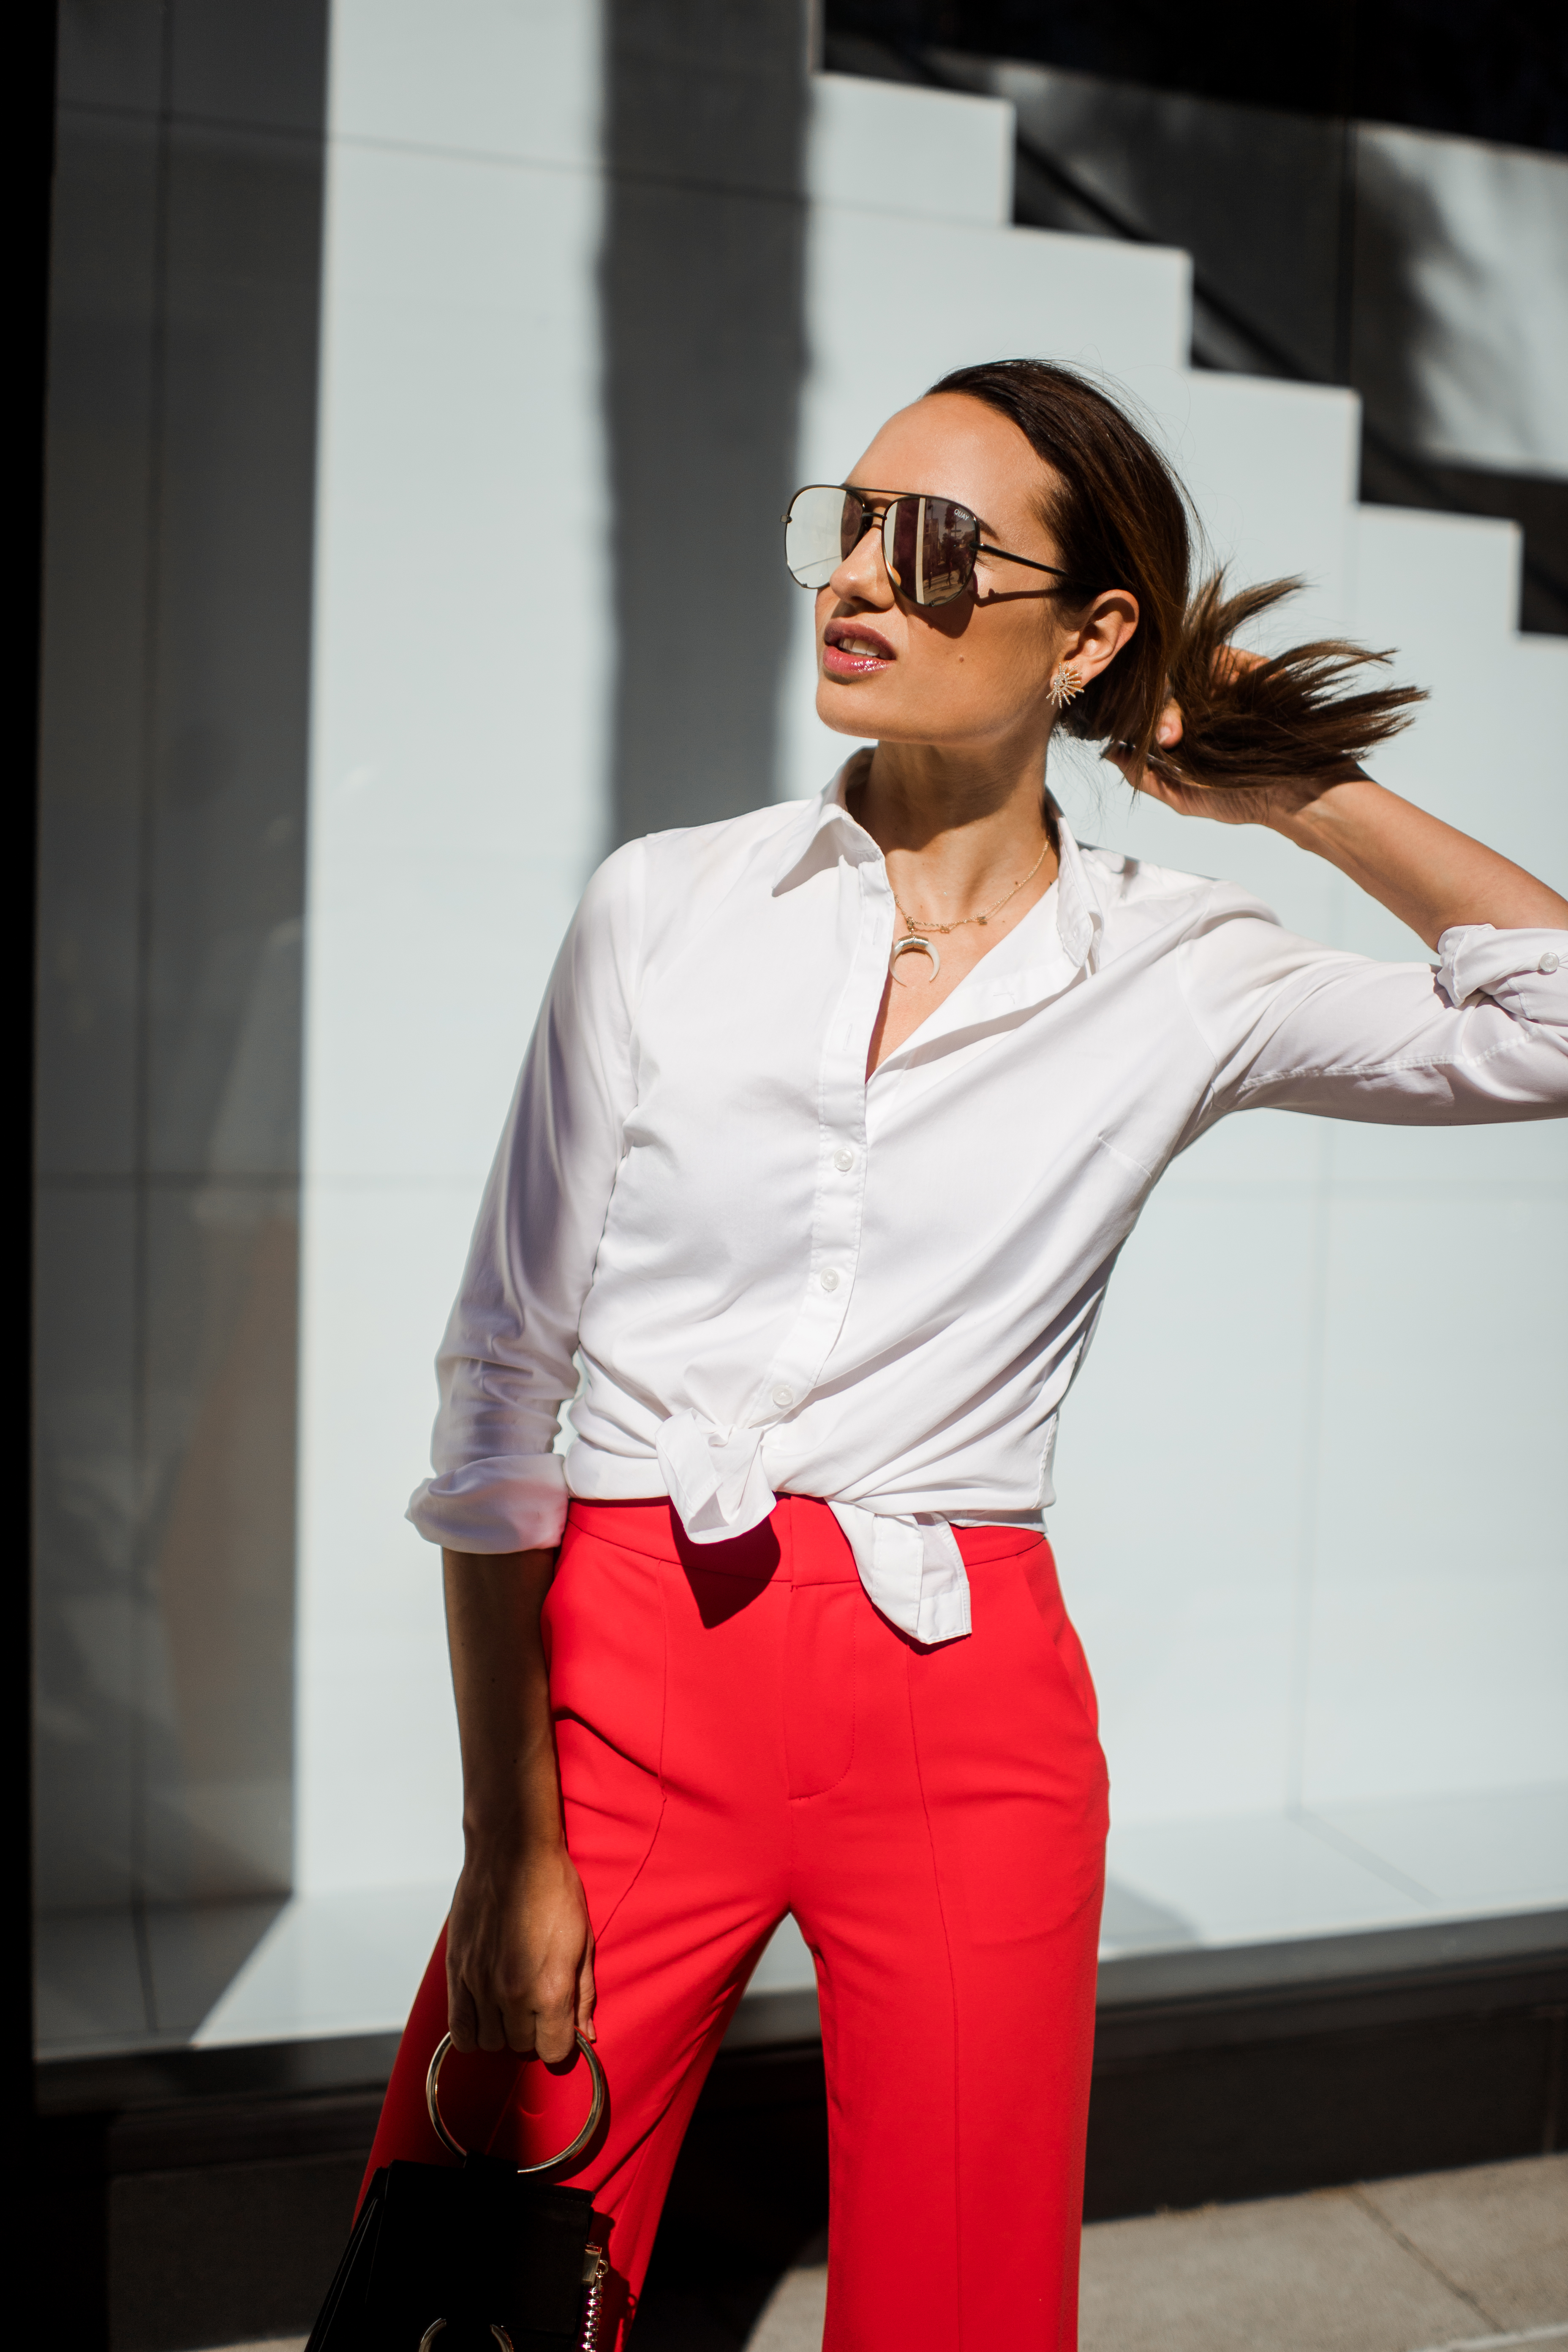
(604, 1647)
(1014, 1782)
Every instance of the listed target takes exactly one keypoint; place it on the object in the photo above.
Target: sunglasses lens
(823, 525)
(930, 545)
(947, 555)
(902, 532)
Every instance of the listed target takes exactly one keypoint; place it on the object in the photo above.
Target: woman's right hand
(520, 1953)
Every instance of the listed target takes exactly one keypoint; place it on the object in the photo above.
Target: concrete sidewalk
(1444, 2263)
(1448, 2262)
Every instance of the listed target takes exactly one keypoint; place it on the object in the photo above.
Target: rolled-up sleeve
(506, 1363)
(1480, 1036)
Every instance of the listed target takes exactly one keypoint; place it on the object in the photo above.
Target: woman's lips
(848, 651)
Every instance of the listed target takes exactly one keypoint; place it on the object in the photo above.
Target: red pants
(741, 1734)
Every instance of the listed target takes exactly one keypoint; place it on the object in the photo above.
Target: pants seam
(952, 1997)
(809, 1796)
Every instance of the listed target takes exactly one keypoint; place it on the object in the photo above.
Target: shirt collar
(824, 831)
(1081, 919)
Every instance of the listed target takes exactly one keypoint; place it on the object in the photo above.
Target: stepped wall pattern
(1315, 1552)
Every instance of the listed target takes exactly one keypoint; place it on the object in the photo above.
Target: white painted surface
(1272, 470)
(1321, 1560)
(456, 808)
(512, 80)
(889, 147)
(332, 1964)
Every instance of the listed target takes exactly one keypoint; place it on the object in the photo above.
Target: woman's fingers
(1141, 773)
(554, 2024)
(1170, 726)
(474, 2021)
(493, 2034)
(588, 1994)
(461, 2021)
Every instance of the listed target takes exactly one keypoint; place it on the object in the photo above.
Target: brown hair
(1121, 520)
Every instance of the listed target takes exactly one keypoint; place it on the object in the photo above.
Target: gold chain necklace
(944, 929)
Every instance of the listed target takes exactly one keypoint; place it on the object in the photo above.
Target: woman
(836, 1119)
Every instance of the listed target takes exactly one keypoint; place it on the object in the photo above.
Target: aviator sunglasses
(929, 545)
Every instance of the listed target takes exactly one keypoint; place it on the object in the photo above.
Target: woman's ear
(1101, 633)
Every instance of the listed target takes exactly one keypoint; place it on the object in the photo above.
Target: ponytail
(1283, 720)
(1120, 518)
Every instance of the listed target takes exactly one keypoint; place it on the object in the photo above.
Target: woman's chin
(859, 710)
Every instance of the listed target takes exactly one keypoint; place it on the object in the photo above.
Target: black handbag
(445, 2261)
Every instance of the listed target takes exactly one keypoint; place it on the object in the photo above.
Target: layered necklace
(916, 934)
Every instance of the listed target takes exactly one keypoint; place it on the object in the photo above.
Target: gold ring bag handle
(596, 2109)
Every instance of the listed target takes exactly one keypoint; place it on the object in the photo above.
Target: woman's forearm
(520, 1947)
(1427, 872)
(511, 1791)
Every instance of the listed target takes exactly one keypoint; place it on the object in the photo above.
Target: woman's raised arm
(1430, 875)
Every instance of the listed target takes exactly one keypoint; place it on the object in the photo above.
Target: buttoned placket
(842, 1160)
(910, 1564)
(843, 1125)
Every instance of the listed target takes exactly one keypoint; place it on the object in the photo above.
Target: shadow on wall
(701, 284)
(185, 298)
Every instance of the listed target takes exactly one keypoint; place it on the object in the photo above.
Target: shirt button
(844, 1160)
(783, 1397)
(1549, 961)
(830, 1280)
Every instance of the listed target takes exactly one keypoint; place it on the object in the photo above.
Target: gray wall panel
(704, 349)
(176, 698)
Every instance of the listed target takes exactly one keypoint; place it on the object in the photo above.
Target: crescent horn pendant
(926, 947)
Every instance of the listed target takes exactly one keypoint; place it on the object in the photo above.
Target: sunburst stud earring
(1065, 685)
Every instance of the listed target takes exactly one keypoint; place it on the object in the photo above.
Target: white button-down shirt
(777, 1274)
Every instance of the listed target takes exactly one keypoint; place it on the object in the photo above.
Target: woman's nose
(862, 577)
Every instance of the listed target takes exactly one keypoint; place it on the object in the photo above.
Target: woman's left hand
(1265, 806)
(1431, 876)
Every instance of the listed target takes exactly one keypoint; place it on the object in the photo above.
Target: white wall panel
(892, 147)
(949, 294)
(1181, 1470)
(378, 1769)
(462, 657)
(1439, 1623)
(463, 664)
(513, 77)
(1307, 1520)
(1252, 1880)
(1489, 752)
(1506, 1850)
(1271, 469)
